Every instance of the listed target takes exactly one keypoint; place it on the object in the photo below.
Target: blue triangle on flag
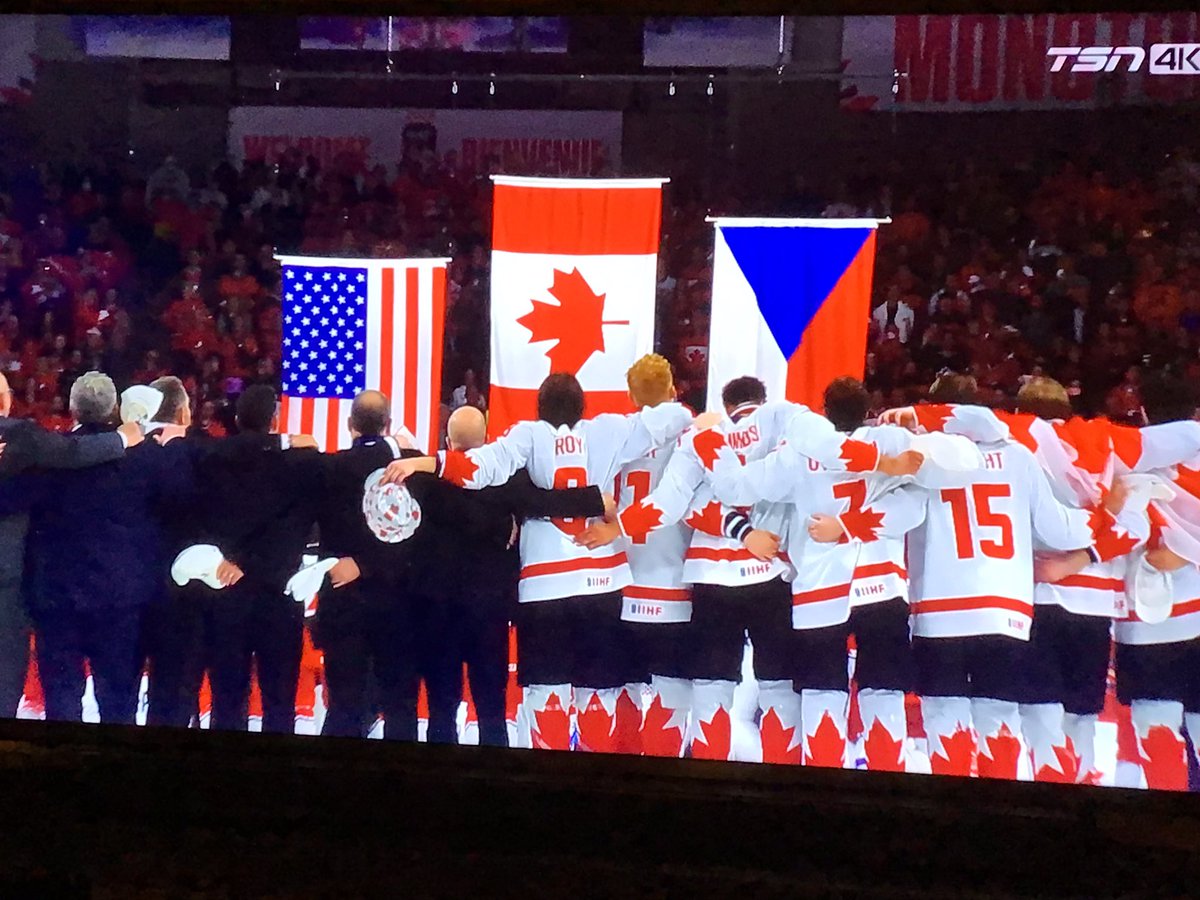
(792, 270)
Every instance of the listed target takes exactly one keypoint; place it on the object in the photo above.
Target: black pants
(172, 635)
(722, 617)
(1160, 672)
(1067, 661)
(14, 647)
(573, 640)
(245, 624)
(108, 639)
(471, 630)
(883, 660)
(364, 629)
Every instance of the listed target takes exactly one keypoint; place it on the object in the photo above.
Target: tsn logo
(1165, 59)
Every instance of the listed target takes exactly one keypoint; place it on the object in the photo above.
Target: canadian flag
(574, 268)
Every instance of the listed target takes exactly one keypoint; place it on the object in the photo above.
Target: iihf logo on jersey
(756, 569)
(599, 581)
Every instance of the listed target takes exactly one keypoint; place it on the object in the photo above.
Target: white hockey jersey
(658, 592)
(1078, 458)
(553, 566)
(971, 562)
(875, 510)
(1183, 624)
(715, 556)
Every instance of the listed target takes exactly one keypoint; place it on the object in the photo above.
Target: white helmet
(393, 514)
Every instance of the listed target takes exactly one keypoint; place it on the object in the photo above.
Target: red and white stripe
(406, 312)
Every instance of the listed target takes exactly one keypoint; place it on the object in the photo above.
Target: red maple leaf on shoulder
(639, 519)
(777, 741)
(659, 737)
(933, 416)
(458, 468)
(1107, 541)
(575, 324)
(553, 731)
(859, 456)
(826, 746)
(959, 749)
(707, 520)
(1068, 766)
(862, 524)
(884, 753)
(708, 444)
(1002, 755)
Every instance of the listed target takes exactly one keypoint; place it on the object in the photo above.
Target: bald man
(26, 445)
(363, 621)
(466, 568)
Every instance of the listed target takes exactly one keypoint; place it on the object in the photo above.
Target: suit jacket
(343, 526)
(258, 504)
(28, 445)
(462, 549)
(95, 535)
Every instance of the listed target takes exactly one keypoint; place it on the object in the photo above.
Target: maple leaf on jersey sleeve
(1107, 541)
(859, 456)
(458, 468)
(576, 324)
(639, 519)
(862, 524)
(708, 520)
(708, 444)
(933, 416)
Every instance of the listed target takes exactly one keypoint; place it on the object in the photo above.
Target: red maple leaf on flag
(859, 456)
(1068, 766)
(595, 726)
(658, 737)
(458, 468)
(707, 520)
(826, 746)
(553, 730)
(933, 416)
(575, 324)
(716, 735)
(1089, 439)
(1158, 522)
(1019, 425)
(708, 444)
(863, 523)
(627, 726)
(1107, 542)
(1188, 479)
(1164, 760)
(777, 746)
(959, 749)
(639, 519)
(884, 753)
(1000, 758)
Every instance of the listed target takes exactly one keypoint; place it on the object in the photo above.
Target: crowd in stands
(1085, 272)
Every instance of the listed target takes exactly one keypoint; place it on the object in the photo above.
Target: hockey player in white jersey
(570, 647)
(738, 589)
(971, 585)
(657, 606)
(846, 546)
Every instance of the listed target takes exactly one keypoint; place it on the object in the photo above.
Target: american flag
(356, 324)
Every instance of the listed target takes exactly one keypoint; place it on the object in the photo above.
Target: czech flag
(791, 303)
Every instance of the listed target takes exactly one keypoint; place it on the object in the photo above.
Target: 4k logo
(1165, 59)
(1096, 59)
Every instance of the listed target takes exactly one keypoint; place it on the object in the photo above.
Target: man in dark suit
(257, 503)
(466, 568)
(93, 559)
(364, 619)
(25, 445)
